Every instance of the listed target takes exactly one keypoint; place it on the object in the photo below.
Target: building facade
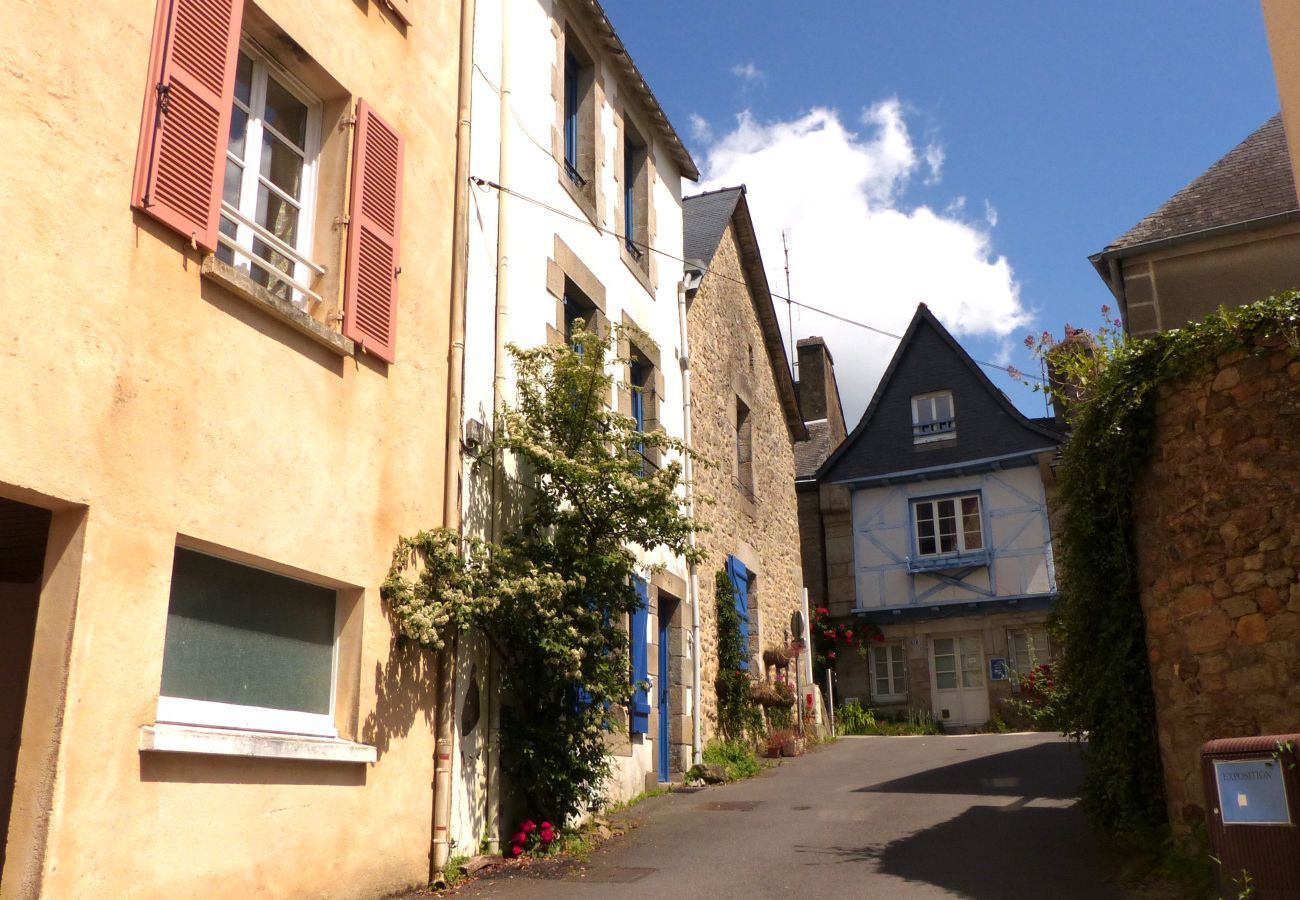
(942, 488)
(232, 241)
(744, 420)
(582, 219)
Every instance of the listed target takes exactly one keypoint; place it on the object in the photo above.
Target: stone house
(224, 405)
(588, 226)
(941, 490)
(745, 419)
(1230, 237)
(823, 415)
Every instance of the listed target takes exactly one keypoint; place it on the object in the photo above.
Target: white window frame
(245, 215)
(209, 713)
(1043, 654)
(956, 499)
(898, 687)
(939, 430)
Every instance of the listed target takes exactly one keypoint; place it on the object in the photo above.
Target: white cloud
(701, 130)
(934, 160)
(747, 72)
(855, 248)
(990, 214)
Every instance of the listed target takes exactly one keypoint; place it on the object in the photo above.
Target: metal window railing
(276, 244)
(941, 426)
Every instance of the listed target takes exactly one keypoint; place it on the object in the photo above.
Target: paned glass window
(888, 672)
(268, 194)
(933, 417)
(948, 525)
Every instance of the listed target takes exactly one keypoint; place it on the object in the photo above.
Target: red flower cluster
(532, 838)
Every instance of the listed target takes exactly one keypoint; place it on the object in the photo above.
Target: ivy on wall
(738, 715)
(1103, 671)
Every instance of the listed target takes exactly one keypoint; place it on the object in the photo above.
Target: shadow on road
(1051, 770)
(995, 853)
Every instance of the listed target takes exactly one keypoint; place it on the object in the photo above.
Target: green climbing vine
(1103, 673)
(553, 596)
(738, 715)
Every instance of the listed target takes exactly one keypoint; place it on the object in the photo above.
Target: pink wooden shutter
(186, 123)
(374, 224)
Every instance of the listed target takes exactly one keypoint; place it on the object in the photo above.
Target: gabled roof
(928, 359)
(810, 454)
(705, 218)
(1253, 182)
(635, 82)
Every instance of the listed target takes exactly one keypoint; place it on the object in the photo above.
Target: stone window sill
(239, 284)
(165, 738)
(582, 196)
(637, 267)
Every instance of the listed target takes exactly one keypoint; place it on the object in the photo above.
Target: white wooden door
(961, 698)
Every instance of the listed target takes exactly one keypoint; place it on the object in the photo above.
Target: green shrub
(737, 757)
(853, 718)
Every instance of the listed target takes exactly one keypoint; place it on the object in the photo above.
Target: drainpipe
(493, 799)
(445, 676)
(688, 470)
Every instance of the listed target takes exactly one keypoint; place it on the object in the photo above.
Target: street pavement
(989, 817)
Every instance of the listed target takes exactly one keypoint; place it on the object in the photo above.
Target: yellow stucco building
(225, 381)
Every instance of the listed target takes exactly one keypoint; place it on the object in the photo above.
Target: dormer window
(933, 417)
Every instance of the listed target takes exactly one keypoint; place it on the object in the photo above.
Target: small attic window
(933, 417)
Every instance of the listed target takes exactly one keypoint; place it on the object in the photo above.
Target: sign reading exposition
(1251, 792)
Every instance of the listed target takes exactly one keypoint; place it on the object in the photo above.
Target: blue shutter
(739, 576)
(640, 718)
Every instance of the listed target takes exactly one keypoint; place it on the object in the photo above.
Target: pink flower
(1029, 341)
(528, 825)
(546, 826)
(1105, 310)
(848, 634)
(516, 850)
(823, 611)
(830, 654)
(519, 837)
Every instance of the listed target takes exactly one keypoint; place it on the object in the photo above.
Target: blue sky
(982, 149)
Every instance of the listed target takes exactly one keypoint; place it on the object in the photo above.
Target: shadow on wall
(404, 692)
(1050, 771)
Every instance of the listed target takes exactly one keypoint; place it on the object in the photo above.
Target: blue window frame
(639, 720)
(739, 576)
(572, 75)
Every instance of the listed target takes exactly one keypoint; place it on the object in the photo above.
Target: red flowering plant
(1038, 697)
(830, 639)
(533, 839)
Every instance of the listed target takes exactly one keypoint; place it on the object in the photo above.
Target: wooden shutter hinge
(340, 221)
(164, 97)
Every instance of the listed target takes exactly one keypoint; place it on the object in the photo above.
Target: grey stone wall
(729, 360)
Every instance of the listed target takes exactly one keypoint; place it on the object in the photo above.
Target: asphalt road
(989, 817)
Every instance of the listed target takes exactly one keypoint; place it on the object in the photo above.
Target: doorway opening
(24, 533)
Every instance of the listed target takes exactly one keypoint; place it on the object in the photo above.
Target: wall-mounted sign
(997, 668)
(1251, 792)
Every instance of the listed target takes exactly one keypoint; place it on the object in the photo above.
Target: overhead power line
(583, 220)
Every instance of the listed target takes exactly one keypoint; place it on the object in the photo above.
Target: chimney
(819, 396)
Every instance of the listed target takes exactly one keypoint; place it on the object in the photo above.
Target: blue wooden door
(662, 686)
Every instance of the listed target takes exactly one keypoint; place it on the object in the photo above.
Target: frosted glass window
(243, 636)
(945, 664)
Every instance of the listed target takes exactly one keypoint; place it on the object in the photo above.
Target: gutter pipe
(445, 675)
(688, 472)
(493, 799)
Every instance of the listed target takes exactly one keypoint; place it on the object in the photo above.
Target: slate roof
(928, 359)
(705, 217)
(703, 224)
(1253, 181)
(810, 454)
